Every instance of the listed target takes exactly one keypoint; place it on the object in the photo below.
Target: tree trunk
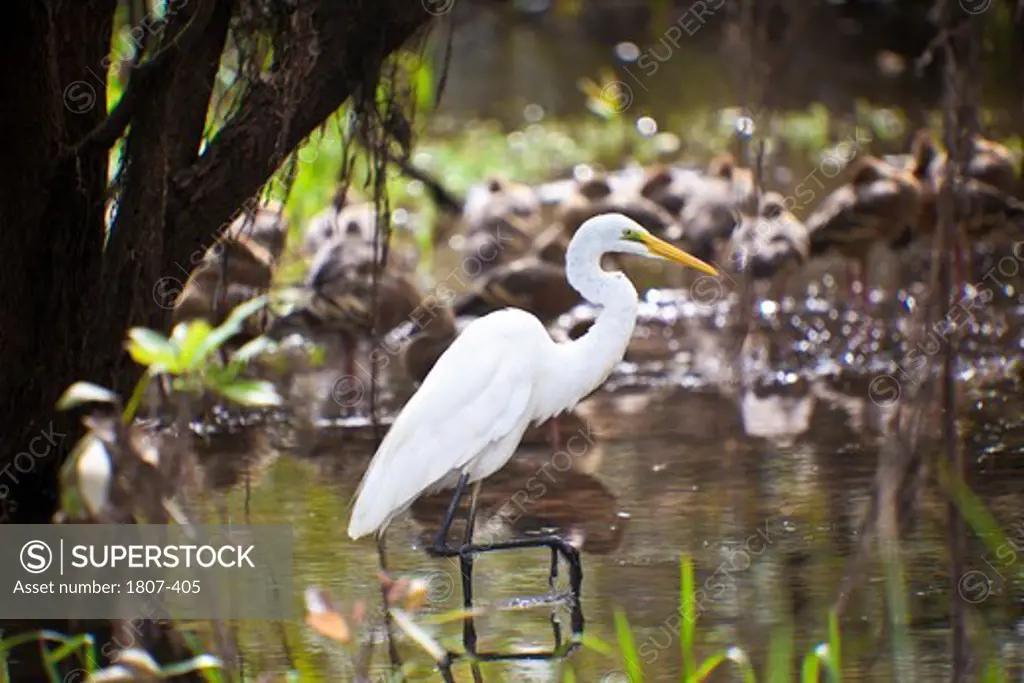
(51, 233)
(67, 296)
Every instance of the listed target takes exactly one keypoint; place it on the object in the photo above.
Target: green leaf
(188, 337)
(83, 646)
(597, 645)
(834, 646)
(780, 655)
(316, 356)
(810, 671)
(230, 327)
(219, 375)
(250, 393)
(688, 613)
(152, 350)
(627, 647)
(86, 392)
(735, 655)
(257, 347)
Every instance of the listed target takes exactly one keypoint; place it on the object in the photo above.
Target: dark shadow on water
(550, 492)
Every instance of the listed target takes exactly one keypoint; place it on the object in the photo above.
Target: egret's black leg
(553, 575)
(465, 553)
(441, 547)
(392, 648)
(466, 567)
(445, 668)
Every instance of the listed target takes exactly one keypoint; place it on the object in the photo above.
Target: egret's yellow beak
(667, 251)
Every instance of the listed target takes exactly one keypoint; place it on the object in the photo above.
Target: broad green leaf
(256, 347)
(191, 338)
(219, 375)
(243, 311)
(85, 392)
(152, 350)
(251, 393)
(230, 327)
(178, 333)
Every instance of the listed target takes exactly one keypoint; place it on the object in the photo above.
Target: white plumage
(502, 373)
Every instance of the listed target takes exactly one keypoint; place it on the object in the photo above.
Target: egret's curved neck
(583, 364)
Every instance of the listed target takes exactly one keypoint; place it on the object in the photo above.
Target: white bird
(502, 373)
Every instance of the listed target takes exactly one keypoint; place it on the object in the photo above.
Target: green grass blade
(817, 659)
(834, 651)
(83, 645)
(136, 398)
(597, 645)
(627, 647)
(811, 667)
(993, 672)
(734, 655)
(780, 655)
(899, 609)
(688, 614)
(973, 510)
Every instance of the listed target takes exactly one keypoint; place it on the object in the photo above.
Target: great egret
(502, 373)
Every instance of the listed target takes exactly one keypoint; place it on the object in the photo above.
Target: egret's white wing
(477, 394)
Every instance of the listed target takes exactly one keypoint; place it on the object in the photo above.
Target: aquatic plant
(132, 664)
(189, 358)
(825, 657)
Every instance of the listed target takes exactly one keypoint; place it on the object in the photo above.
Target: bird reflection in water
(541, 493)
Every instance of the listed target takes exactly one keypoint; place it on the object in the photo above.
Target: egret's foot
(559, 547)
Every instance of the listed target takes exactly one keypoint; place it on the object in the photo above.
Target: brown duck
(878, 204)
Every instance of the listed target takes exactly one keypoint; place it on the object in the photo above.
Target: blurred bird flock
(304, 263)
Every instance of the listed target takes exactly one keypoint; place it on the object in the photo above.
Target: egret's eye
(631, 235)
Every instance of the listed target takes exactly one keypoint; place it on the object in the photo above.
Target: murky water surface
(755, 458)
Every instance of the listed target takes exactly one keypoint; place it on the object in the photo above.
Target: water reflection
(756, 457)
(542, 492)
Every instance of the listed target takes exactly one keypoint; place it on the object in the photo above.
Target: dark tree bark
(66, 301)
